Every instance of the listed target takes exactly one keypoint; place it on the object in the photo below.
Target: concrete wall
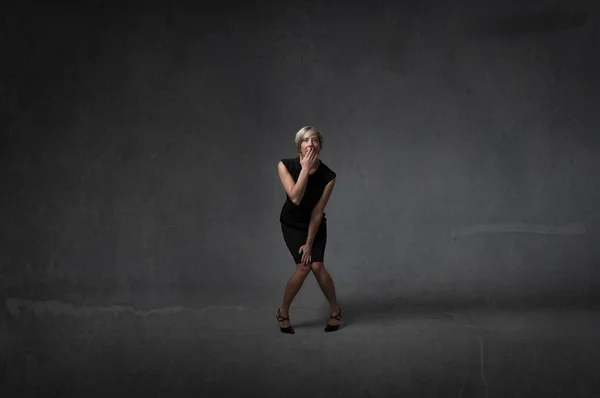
(140, 148)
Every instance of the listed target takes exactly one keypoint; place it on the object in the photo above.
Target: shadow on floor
(375, 309)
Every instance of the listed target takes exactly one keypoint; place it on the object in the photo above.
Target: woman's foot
(284, 323)
(334, 321)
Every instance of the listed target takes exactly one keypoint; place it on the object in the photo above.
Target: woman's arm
(294, 190)
(317, 212)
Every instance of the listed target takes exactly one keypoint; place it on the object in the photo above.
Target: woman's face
(308, 143)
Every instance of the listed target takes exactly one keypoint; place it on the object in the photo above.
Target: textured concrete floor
(403, 348)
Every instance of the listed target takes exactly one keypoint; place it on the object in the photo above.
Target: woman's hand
(310, 160)
(306, 251)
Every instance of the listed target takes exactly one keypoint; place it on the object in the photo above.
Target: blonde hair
(305, 132)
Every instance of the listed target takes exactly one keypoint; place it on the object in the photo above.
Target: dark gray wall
(140, 146)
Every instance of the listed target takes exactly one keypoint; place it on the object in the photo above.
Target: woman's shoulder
(328, 173)
(291, 163)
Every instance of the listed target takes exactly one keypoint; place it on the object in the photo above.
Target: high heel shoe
(333, 328)
(287, 330)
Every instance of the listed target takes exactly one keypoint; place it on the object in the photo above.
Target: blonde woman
(308, 183)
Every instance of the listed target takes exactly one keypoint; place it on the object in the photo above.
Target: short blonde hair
(305, 132)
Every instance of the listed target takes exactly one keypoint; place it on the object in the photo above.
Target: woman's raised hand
(310, 160)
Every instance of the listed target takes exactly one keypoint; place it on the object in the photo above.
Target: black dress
(295, 219)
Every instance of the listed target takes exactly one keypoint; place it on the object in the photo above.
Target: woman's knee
(317, 267)
(303, 268)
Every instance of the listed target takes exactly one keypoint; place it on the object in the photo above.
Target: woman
(308, 183)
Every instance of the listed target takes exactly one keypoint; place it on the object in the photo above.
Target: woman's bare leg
(291, 289)
(327, 286)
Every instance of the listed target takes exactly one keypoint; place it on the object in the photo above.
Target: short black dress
(295, 219)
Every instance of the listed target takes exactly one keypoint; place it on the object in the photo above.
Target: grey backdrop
(140, 148)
